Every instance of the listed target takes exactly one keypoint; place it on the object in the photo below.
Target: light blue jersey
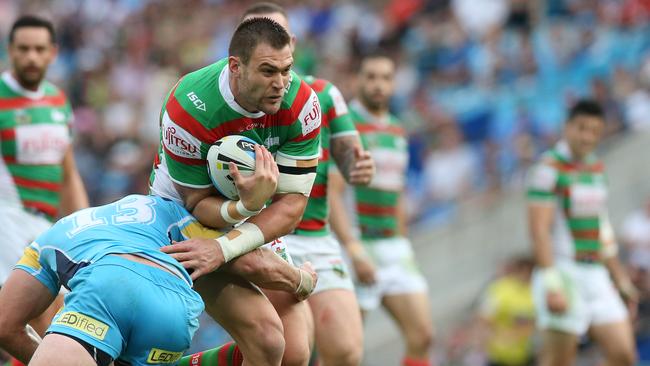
(135, 312)
(84, 237)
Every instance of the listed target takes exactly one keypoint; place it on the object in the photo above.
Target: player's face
(264, 79)
(31, 53)
(376, 82)
(583, 134)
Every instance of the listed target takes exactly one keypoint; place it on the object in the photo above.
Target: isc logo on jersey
(310, 115)
(178, 141)
(198, 103)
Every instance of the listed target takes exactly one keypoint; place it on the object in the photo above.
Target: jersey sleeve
(297, 158)
(32, 263)
(541, 182)
(341, 123)
(182, 147)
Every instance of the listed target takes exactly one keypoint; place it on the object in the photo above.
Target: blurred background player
(578, 276)
(385, 267)
(39, 180)
(253, 92)
(506, 316)
(337, 322)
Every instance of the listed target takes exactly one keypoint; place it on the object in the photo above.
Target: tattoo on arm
(342, 150)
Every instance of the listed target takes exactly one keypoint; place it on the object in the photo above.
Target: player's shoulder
(198, 92)
(317, 84)
(300, 99)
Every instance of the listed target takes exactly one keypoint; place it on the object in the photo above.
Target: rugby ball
(236, 149)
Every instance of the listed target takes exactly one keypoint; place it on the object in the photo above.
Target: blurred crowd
(482, 85)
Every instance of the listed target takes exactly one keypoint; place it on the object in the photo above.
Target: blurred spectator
(507, 315)
(449, 171)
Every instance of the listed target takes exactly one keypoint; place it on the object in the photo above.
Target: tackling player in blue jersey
(127, 299)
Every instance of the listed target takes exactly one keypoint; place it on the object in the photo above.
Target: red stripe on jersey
(329, 117)
(9, 159)
(370, 128)
(325, 155)
(29, 183)
(301, 98)
(58, 100)
(237, 356)
(42, 206)
(308, 136)
(318, 191)
(182, 118)
(182, 159)
(223, 355)
(368, 209)
(318, 85)
(8, 134)
(315, 224)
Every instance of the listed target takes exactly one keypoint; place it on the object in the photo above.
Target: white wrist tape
(240, 240)
(306, 285)
(244, 211)
(551, 278)
(226, 216)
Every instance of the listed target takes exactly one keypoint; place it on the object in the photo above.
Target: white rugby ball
(237, 149)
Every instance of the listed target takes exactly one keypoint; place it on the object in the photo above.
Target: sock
(15, 362)
(408, 361)
(226, 355)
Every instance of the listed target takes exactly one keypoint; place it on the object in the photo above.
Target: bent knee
(348, 355)
(420, 338)
(623, 357)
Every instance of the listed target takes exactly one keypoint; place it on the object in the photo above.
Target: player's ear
(234, 65)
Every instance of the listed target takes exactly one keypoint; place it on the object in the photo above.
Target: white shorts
(279, 247)
(20, 228)
(397, 272)
(324, 253)
(593, 300)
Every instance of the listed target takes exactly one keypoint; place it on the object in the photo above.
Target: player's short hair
(374, 54)
(254, 31)
(26, 21)
(264, 7)
(586, 107)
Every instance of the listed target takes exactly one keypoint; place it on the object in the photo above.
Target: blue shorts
(131, 311)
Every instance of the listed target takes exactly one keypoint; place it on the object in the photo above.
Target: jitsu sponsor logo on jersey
(198, 103)
(178, 141)
(310, 115)
(41, 143)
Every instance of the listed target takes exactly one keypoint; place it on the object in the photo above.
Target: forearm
(281, 217)
(402, 215)
(73, 192)
(616, 271)
(210, 211)
(340, 220)
(540, 226)
(342, 150)
(266, 270)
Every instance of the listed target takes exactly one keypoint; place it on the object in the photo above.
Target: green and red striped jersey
(376, 204)
(201, 109)
(335, 122)
(578, 191)
(34, 136)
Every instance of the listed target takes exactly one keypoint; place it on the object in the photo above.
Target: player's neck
(234, 87)
(377, 112)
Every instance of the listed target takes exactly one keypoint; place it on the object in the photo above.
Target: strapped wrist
(244, 211)
(240, 240)
(223, 210)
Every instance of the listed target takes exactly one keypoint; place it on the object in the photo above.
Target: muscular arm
(402, 215)
(22, 298)
(73, 192)
(281, 217)
(540, 223)
(343, 150)
(265, 269)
